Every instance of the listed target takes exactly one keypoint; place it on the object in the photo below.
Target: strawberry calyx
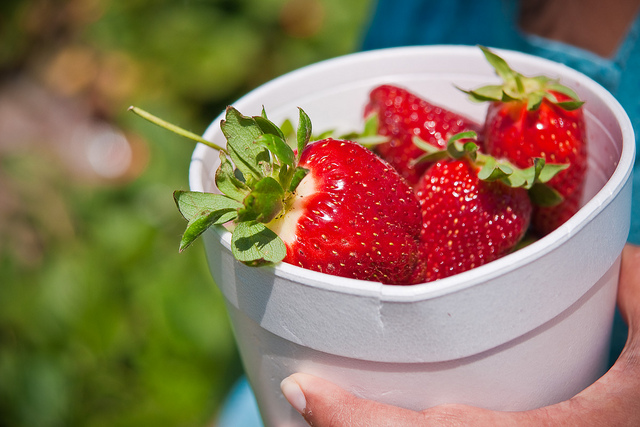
(258, 176)
(517, 87)
(533, 178)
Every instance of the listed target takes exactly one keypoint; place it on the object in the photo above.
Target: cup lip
(480, 274)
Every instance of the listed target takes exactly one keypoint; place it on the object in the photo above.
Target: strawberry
(475, 208)
(403, 115)
(331, 206)
(353, 216)
(537, 117)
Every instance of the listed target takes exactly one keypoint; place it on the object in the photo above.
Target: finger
(322, 403)
(629, 289)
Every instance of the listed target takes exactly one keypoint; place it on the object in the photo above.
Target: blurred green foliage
(102, 322)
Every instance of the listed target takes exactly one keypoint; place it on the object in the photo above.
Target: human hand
(613, 400)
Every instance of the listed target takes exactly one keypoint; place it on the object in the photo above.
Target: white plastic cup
(528, 330)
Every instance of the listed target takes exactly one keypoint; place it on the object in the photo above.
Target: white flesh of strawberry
(286, 225)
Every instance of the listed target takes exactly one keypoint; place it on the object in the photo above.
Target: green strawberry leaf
(203, 210)
(457, 149)
(431, 152)
(267, 126)
(493, 170)
(371, 125)
(200, 223)
(549, 170)
(525, 177)
(520, 177)
(573, 104)
(499, 65)
(241, 132)
(298, 174)
(538, 174)
(264, 202)
(254, 244)
(278, 147)
(368, 141)
(534, 100)
(485, 93)
(304, 131)
(227, 181)
(538, 82)
(192, 203)
(329, 133)
(544, 195)
(570, 105)
(289, 132)
(369, 136)
(516, 91)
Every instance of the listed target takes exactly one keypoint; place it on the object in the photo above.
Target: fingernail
(293, 393)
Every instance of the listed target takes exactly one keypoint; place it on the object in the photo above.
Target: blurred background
(102, 322)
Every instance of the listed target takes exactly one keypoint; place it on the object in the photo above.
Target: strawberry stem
(173, 128)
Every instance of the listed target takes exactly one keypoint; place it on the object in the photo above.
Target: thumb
(322, 403)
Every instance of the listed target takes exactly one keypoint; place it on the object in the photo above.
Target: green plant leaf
(264, 202)
(253, 243)
(485, 93)
(241, 133)
(192, 204)
(298, 175)
(369, 136)
(431, 152)
(544, 195)
(549, 170)
(455, 149)
(534, 100)
(368, 141)
(203, 210)
(574, 102)
(499, 65)
(267, 126)
(371, 125)
(200, 223)
(227, 181)
(493, 170)
(570, 105)
(330, 133)
(289, 132)
(277, 146)
(458, 148)
(515, 177)
(304, 131)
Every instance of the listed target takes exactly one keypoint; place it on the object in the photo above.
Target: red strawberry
(402, 116)
(333, 206)
(353, 216)
(468, 222)
(537, 117)
(475, 208)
